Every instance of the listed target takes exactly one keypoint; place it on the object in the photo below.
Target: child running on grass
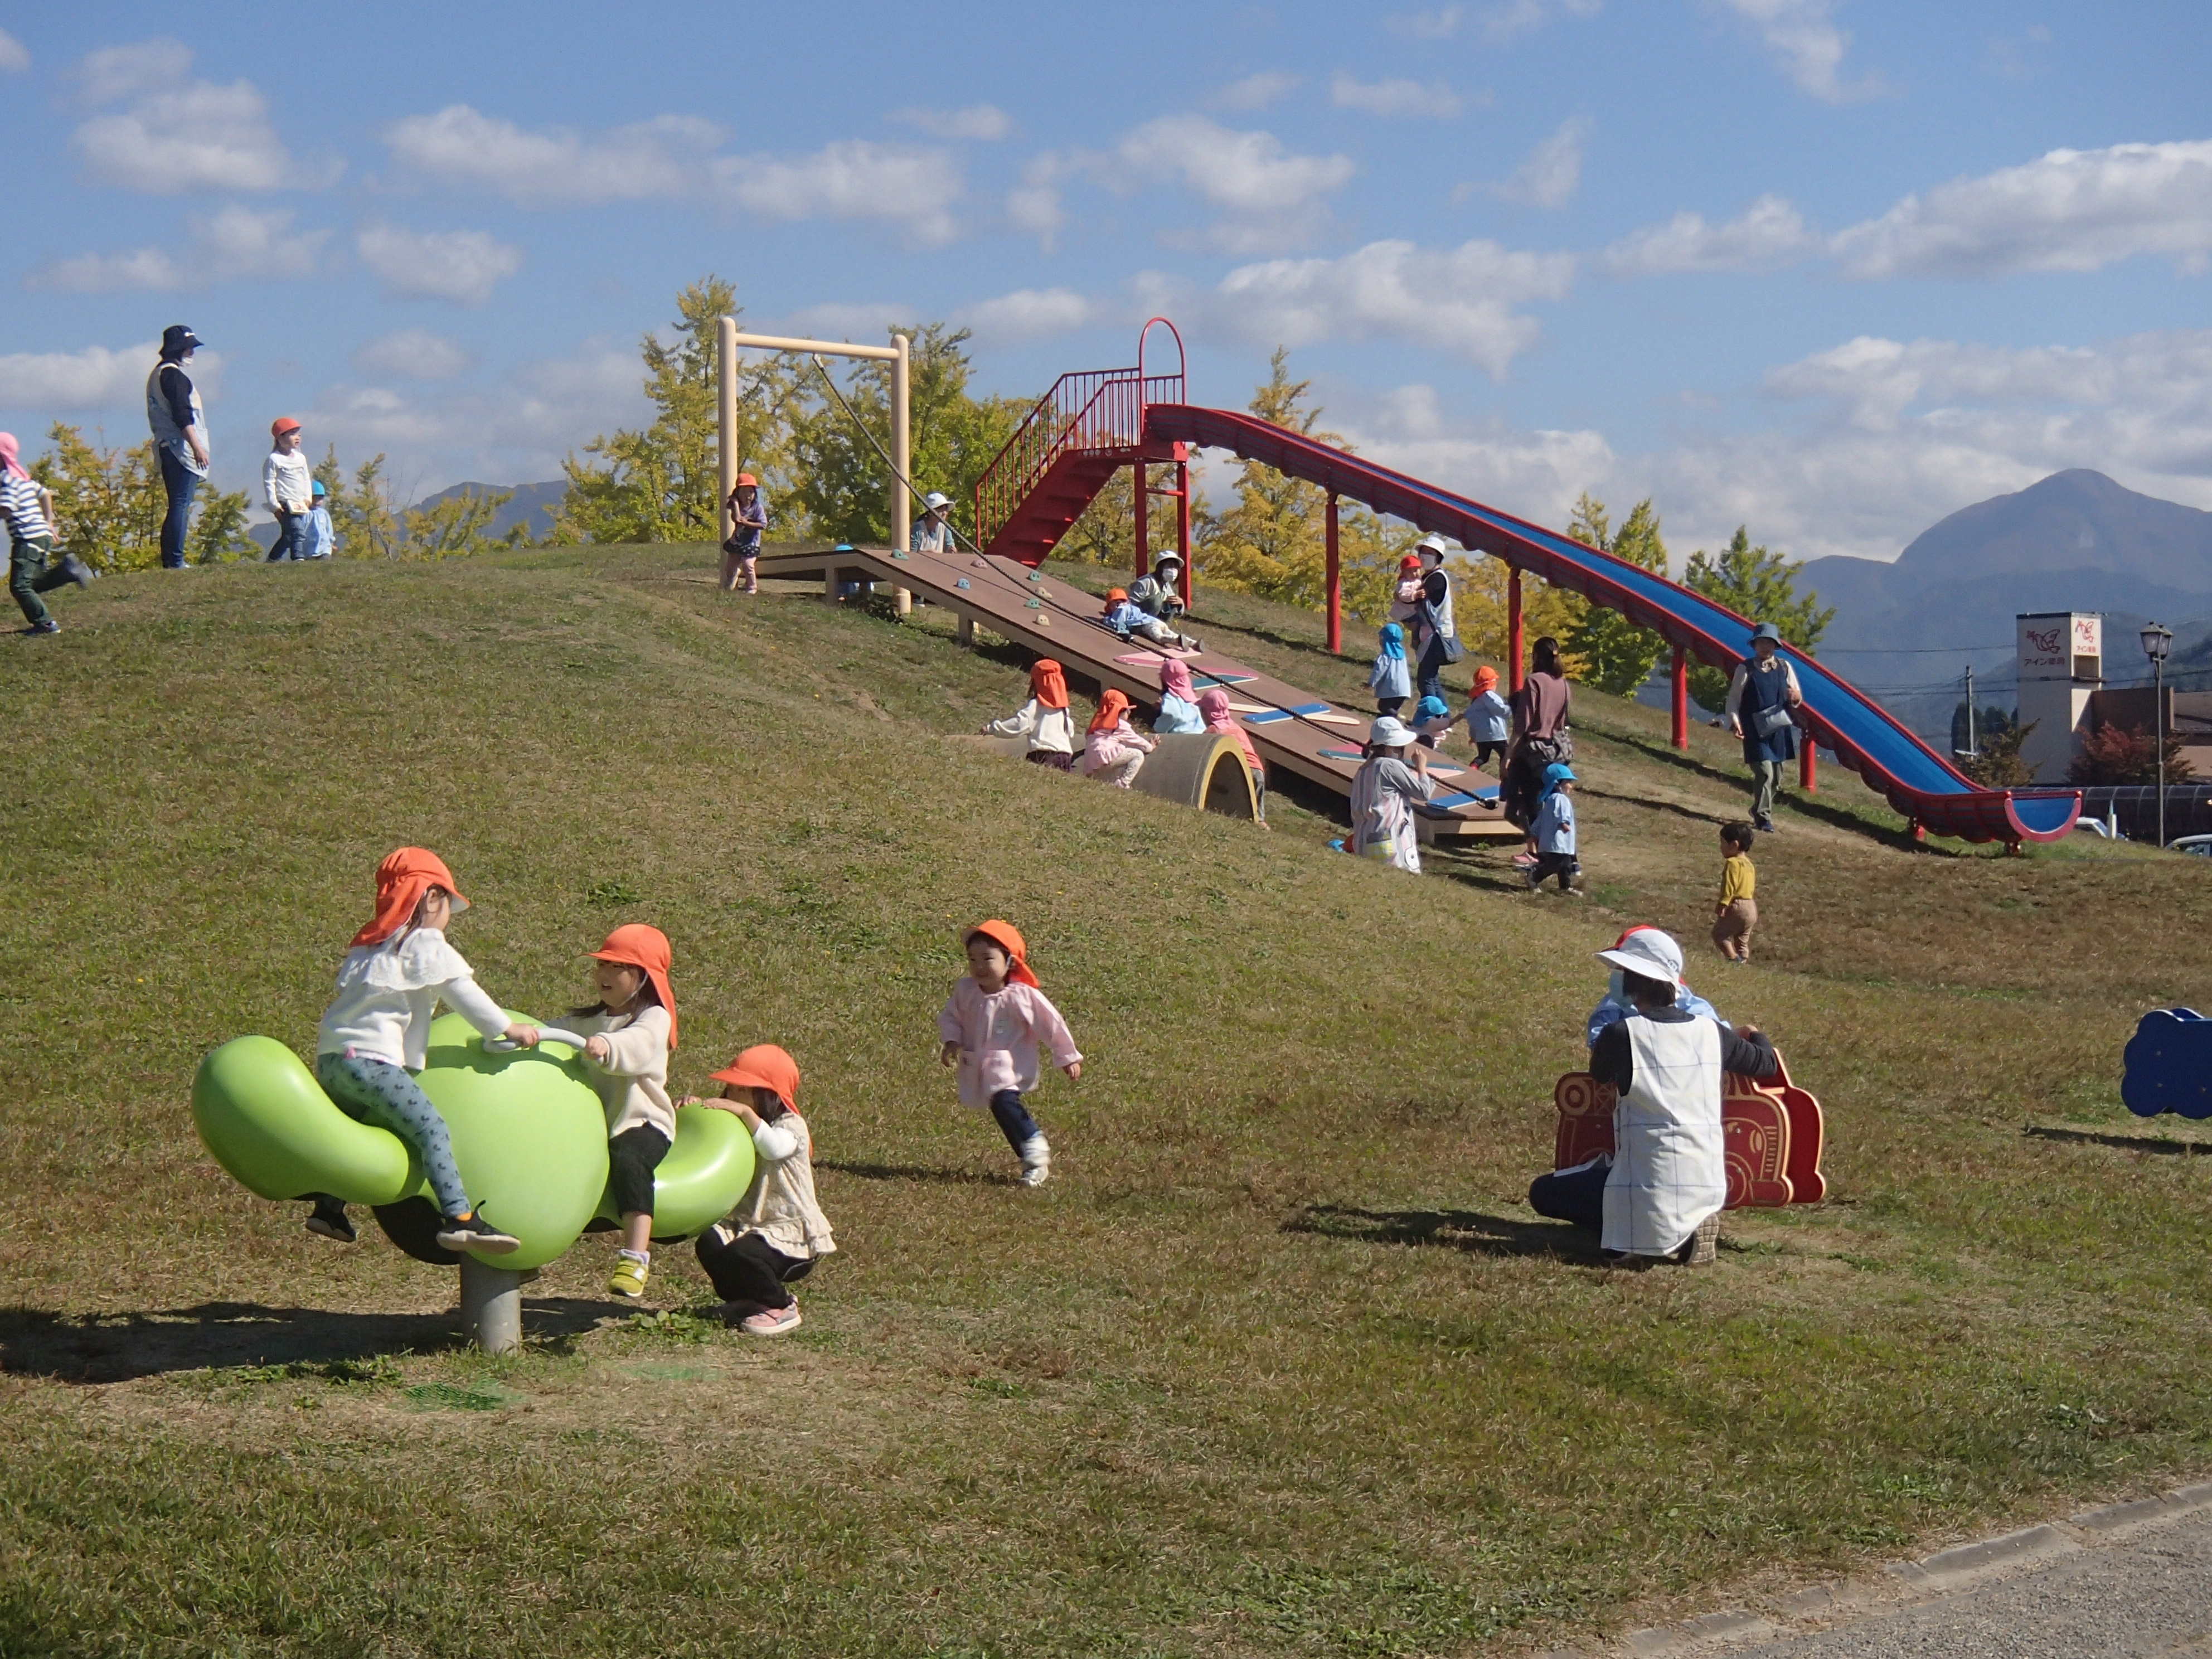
(777, 1232)
(1489, 722)
(992, 1025)
(1737, 912)
(28, 508)
(1392, 678)
(1553, 832)
(376, 1037)
(629, 1032)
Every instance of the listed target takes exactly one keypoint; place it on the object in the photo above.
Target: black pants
(632, 1157)
(180, 482)
(1486, 753)
(29, 576)
(286, 544)
(746, 1268)
(1389, 706)
(1014, 1120)
(1547, 864)
(1576, 1195)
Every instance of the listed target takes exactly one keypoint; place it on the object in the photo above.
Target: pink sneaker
(772, 1322)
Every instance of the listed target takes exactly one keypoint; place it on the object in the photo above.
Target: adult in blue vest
(1762, 700)
(179, 428)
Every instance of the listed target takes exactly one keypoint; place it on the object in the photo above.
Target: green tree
(842, 483)
(1999, 765)
(1612, 652)
(1762, 586)
(1273, 541)
(663, 484)
(218, 532)
(109, 502)
(457, 526)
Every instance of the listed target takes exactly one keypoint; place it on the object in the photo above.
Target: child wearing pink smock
(992, 1026)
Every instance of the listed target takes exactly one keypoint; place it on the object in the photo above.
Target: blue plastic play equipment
(2169, 1065)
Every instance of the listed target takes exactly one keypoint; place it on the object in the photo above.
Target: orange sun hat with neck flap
(401, 880)
(636, 945)
(1007, 937)
(764, 1065)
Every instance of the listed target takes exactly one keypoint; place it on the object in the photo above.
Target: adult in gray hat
(180, 439)
(1383, 792)
(933, 531)
(1763, 697)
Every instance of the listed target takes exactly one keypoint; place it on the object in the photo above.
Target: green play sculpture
(528, 1135)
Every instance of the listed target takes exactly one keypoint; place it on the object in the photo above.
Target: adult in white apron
(180, 441)
(1438, 628)
(1668, 1171)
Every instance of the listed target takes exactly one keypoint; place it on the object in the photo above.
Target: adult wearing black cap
(173, 410)
(1762, 698)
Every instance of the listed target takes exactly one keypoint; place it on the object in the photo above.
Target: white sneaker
(1036, 1162)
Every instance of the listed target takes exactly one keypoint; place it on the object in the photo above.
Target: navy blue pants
(1576, 1195)
(181, 483)
(1014, 1120)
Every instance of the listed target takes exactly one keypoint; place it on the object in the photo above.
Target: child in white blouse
(629, 1032)
(992, 1025)
(375, 1036)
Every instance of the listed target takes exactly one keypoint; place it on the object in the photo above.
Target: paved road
(2145, 1592)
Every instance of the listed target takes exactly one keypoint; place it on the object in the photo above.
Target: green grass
(1279, 1364)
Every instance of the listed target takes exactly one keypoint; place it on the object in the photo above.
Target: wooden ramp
(1293, 730)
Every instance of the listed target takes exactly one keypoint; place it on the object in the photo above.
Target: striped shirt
(20, 499)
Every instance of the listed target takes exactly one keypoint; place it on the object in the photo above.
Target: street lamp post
(2157, 642)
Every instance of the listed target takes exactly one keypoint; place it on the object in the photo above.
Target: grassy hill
(1279, 1362)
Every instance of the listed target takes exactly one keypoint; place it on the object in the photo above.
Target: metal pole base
(491, 1306)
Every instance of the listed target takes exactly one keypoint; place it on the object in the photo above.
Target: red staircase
(1088, 427)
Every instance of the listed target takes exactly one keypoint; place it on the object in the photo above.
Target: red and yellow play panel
(1293, 729)
(1773, 1130)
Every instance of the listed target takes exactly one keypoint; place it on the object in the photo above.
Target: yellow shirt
(1738, 878)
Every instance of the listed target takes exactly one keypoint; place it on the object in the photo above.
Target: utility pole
(1972, 751)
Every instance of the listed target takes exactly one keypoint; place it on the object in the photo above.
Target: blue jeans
(382, 1095)
(1014, 1120)
(289, 527)
(181, 483)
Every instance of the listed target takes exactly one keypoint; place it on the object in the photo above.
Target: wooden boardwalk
(1293, 730)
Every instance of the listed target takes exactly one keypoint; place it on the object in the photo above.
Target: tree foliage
(218, 535)
(662, 483)
(841, 485)
(1273, 541)
(1998, 764)
(108, 503)
(1762, 586)
(370, 524)
(1990, 721)
(1611, 653)
(2120, 754)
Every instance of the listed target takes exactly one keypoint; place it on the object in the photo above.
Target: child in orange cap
(630, 1033)
(777, 1232)
(287, 485)
(992, 1025)
(375, 1036)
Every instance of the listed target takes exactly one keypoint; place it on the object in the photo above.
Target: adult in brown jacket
(1540, 736)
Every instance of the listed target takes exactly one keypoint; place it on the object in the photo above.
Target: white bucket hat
(1391, 733)
(935, 498)
(1648, 952)
(1436, 544)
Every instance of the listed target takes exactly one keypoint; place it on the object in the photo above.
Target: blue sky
(1831, 269)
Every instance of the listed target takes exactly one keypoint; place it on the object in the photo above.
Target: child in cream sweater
(629, 1032)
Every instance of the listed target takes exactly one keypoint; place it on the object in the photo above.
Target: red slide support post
(1514, 655)
(1143, 497)
(1681, 690)
(1336, 582)
(1183, 514)
(1808, 766)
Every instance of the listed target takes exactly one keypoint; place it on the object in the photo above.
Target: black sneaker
(76, 570)
(328, 1221)
(472, 1232)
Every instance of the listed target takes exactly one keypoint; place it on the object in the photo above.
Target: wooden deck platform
(1293, 730)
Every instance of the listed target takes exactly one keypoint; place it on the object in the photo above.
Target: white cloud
(980, 121)
(1460, 300)
(677, 155)
(1034, 204)
(1553, 172)
(1770, 233)
(1031, 314)
(414, 354)
(236, 242)
(1440, 24)
(442, 264)
(851, 178)
(1519, 17)
(1393, 98)
(1269, 196)
(72, 381)
(461, 148)
(14, 55)
(840, 319)
(2069, 210)
(177, 136)
(1808, 45)
(1535, 475)
(1257, 91)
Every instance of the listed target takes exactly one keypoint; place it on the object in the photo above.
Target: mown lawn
(1279, 1364)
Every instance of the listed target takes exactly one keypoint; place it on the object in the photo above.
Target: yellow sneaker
(628, 1278)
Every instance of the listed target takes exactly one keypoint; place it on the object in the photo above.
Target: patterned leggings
(383, 1096)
